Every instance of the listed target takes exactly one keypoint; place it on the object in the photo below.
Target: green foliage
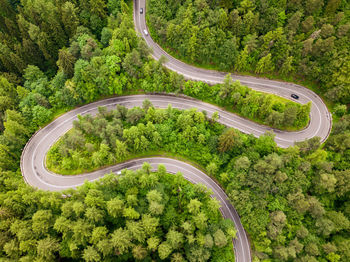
(123, 65)
(293, 202)
(73, 229)
(340, 110)
(285, 197)
(308, 39)
(263, 108)
(40, 28)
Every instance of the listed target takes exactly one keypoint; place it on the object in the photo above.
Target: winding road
(35, 173)
(320, 118)
(33, 156)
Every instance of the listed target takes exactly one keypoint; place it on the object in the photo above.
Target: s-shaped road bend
(33, 156)
(35, 173)
(320, 118)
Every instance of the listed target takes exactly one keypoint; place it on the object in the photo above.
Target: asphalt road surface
(320, 118)
(33, 156)
(35, 173)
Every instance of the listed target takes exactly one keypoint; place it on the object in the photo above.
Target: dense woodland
(305, 38)
(294, 203)
(137, 216)
(108, 62)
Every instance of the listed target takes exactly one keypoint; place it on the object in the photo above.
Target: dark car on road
(141, 10)
(294, 96)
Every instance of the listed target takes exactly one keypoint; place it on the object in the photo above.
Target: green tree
(130, 213)
(192, 47)
(70, 18)
(290, 114)
(91, 255)
(164, 250)
(47, 248)
(139, 252)
(98, 234)
(340, 110)
(121, 151)
(212, 168)
(121, 240)
(66, 62)
(287, 66)
(220, 239)
(152, 243)
(228, 140)
(265, 65)
(175, 239)
(41, 115)
(307, 24)
(242, 61)
(42, 221)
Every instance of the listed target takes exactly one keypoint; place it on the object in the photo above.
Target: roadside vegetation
(120, 134)
(286, 198)
(115, 61)
(55, 55)
(138, 215)
(263, 108)
(304, 39)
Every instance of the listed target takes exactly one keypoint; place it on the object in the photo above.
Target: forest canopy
(114, 61)
(286, 198)
(305, 38)
(293, 203)
(138, 215)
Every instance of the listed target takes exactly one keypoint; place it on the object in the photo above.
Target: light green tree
(164, 250)
(121, 240)
(90, 254)
(265, 65)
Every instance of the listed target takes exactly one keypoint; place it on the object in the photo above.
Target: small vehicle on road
(141, 10)
(145, 31)
(294, 96)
